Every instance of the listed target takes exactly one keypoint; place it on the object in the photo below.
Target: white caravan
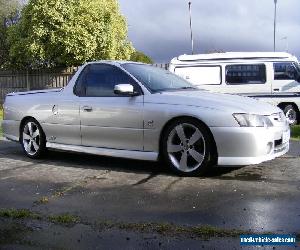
(273, 77)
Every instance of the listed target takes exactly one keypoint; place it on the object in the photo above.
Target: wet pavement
(261, 198)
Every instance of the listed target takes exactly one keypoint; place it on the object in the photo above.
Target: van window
(245, 74)
(201, 75)
(285, 71)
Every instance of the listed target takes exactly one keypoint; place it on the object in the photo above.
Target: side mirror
(125, 89)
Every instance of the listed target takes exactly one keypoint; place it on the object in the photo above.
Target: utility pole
(191, 27)
(275, 17)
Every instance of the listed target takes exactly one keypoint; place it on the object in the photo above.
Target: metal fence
(16, 81)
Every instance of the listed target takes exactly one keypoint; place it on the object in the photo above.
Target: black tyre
(291, 114)
(33, 139)
(187, 147)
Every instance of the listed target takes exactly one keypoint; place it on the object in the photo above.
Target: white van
(273, 77)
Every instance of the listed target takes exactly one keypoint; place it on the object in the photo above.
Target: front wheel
(33, 139)
(187, 147)
(291, 114)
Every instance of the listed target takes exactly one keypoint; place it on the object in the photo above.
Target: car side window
(285, 71)
(245, 74)
(99, 80)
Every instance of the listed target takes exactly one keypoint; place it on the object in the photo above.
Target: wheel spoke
(36, 147)
(197, 156)
(195, 137)
(172, 148)
(26, 136)
(35, 134)
(30, 129)
(28, 147)
(181, 134)
(183, 161)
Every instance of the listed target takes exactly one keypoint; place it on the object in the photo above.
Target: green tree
(8, 14)
(68, 32)
(138, 56)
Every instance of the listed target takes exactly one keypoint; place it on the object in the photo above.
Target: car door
(62, 122)
(109, 120)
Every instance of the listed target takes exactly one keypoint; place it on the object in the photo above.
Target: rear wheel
(291, 114)
(33, 139)
(187, 147)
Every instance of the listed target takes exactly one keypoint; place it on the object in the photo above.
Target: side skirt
(11, 138)
(137, 155)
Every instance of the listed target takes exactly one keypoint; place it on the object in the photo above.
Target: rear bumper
(11, 129)
(238, 146)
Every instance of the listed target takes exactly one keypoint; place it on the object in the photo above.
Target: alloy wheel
(186, 147)
(31, 138)
(291, 116)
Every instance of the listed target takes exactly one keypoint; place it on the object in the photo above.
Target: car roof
(114, 62)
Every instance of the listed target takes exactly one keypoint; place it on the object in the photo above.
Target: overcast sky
(160, 28)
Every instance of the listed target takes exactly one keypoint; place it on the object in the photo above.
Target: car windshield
(156, 79)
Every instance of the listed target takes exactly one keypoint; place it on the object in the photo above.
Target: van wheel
(290, 114)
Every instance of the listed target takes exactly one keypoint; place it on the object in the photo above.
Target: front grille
(278, 142)
(281, 148)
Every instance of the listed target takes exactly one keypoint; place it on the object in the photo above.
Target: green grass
(63, 219)
(18, 214)
(295, 132)
(201, 231)
(205, 231)
(42, 200)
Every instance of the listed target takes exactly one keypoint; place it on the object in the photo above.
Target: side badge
(150, 123)
(52, 138)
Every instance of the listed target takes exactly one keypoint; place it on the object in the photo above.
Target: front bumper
(240, 146)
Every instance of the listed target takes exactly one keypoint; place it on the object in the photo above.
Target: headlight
(249, 120)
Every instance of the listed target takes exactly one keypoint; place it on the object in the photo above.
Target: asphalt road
(261, 198)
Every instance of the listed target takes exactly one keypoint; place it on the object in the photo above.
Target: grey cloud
(161, 28)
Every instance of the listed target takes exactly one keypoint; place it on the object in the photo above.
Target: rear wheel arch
(32, 138)
(23, 122)
(214, 157)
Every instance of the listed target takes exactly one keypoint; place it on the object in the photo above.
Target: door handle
(87, 108)
(277, 90)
